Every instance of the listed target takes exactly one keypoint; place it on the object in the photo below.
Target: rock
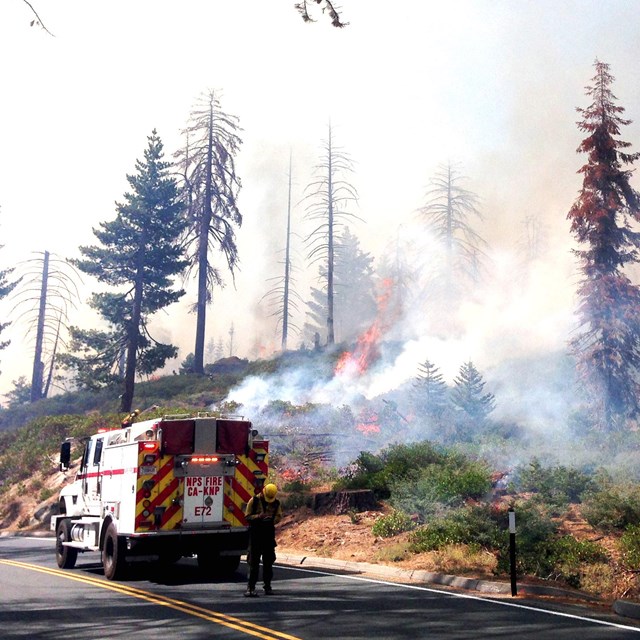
(44, 513)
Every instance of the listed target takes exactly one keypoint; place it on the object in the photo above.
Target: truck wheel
(65, 556)
(113, 554)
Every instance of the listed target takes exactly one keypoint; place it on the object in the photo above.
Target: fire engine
(162, 489)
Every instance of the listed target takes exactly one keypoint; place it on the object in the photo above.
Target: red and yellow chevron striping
(251, 472)
(158, 504)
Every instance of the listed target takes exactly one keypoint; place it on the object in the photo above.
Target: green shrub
(45, 494)
(556, 485)
(295, 494)
(629, 544)
(291, 501)
(534, 531)
(568, 557)
(436, 535)
(539, 550)
(613, 507)
(471, 525)
(397, 462)
(440, 485)
(392, 524)
(295, 486)
(487, 528)
(417, 497)
(443, 475)
(570, 551)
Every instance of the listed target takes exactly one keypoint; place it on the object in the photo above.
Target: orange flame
(368, 429)
(368, 422)
(366, 351)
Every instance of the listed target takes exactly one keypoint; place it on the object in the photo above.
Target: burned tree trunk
(338, 502)
(38, 365)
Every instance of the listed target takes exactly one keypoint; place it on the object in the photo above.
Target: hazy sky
(407, 85)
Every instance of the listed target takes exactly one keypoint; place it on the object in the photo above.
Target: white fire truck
(164, 488)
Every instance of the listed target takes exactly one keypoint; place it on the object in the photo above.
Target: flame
(368, 422)
(368, 429)
(356, 362)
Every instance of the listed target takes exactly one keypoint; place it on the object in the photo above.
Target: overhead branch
(38, 21)
(327, 7)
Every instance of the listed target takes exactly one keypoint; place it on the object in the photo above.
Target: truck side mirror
(65, 456)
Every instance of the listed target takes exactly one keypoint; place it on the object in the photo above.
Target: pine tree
(95, 357)
(354, 299)
(355, 295)
(20, 394)
(468, 393)
(139, 253)
(430, 390)
(211, 189)
(607, 347)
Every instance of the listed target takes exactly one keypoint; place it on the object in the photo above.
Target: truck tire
(65, 556)
(113, 554)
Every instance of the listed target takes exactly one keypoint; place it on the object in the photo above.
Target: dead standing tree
(282, 296)
(328, 196)
(210, 189)
(48, 289)
(448, 211)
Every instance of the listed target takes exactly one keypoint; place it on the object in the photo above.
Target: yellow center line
(164, 601)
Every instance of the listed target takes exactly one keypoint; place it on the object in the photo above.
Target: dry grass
(395, 552)
(458, 559)
(600, 579)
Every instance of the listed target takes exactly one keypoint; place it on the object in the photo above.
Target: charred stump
(339, 502)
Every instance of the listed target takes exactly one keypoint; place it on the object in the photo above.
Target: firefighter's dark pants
(261, 547)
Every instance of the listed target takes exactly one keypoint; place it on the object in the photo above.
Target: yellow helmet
(270, 492)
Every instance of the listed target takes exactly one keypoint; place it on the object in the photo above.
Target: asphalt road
(39, 601)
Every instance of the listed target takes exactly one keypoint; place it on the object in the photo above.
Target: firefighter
(263, 512)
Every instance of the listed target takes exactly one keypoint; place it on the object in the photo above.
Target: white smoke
(500, 328)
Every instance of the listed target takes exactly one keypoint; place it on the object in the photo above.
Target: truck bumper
(189, 543)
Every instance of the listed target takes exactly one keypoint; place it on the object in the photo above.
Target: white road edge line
(467, 596)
